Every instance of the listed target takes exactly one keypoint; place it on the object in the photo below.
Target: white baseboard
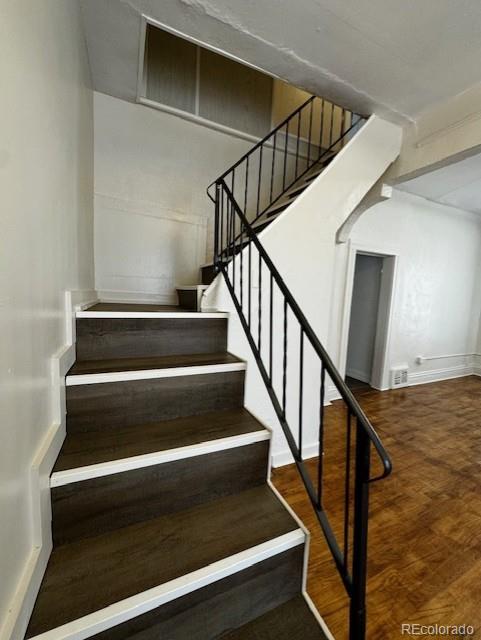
(20, 609)
(76, 300)
(318, 617)
(477, 365)
(437, 375)
(140, 297)
(24, 599)
(358, 375)
(82, 298)
(284, 457)
(332, 394)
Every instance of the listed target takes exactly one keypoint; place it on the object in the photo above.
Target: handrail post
(357, 614)
(216, 226)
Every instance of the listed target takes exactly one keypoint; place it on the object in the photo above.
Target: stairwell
(165, 523)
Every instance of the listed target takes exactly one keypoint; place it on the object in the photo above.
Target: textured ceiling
(385, 56)
(458, 185)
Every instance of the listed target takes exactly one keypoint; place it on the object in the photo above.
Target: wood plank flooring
(425, 526)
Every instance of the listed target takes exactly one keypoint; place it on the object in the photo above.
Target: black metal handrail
(331, 370)
(237, 252)
(302, 140)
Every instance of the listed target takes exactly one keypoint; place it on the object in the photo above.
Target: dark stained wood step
(297, 191)
(93, 573)
(93, 506)
(292, 620)
(158, 362)
(236, 600)
(111, 338)
(262, 223)
(190, 296)
(207, 273)
(82, 449)
(318, 168)
(114, 405)
(278, 208)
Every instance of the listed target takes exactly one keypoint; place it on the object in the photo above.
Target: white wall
(451, 127)
(153, 219)
(364, 313)
(46, 173)
(477, 357)
(436, 307)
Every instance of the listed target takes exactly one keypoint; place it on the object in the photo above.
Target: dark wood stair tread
(292, 620)
(103, 445)
(158, 362)
(93, 573)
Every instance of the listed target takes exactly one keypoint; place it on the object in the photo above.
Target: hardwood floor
(425, 520)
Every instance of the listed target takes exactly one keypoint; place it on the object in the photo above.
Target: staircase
(165, 524)
(164, 520)
(276, 171)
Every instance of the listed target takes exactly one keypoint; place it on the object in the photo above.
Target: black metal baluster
(347, 488)
(331, 131)
(343, 125)
(301, 387)
(232, 225)
(273, 165)
(222, 196)
(224, 226)
(309, 135)
(216, 226)
(241, 269)
(259, 182)
(249, 285)
(357, 614)
(321, 127)
(233, 243)
(271, 301)
(260, 304)
(298, 139)
(227, 229)
(246, 186)
(284, 363)
(285, 157)
(320, 466)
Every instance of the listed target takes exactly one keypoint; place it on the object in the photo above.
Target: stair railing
(308, 136)
(290, 359)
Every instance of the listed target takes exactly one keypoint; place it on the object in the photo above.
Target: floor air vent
(399, 377)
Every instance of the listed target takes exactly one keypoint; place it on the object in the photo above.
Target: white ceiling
(392, 57)
(458, 185)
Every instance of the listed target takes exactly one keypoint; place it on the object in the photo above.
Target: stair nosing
(120, 465)
(148, 374)
(198, 315)
(143, 602)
